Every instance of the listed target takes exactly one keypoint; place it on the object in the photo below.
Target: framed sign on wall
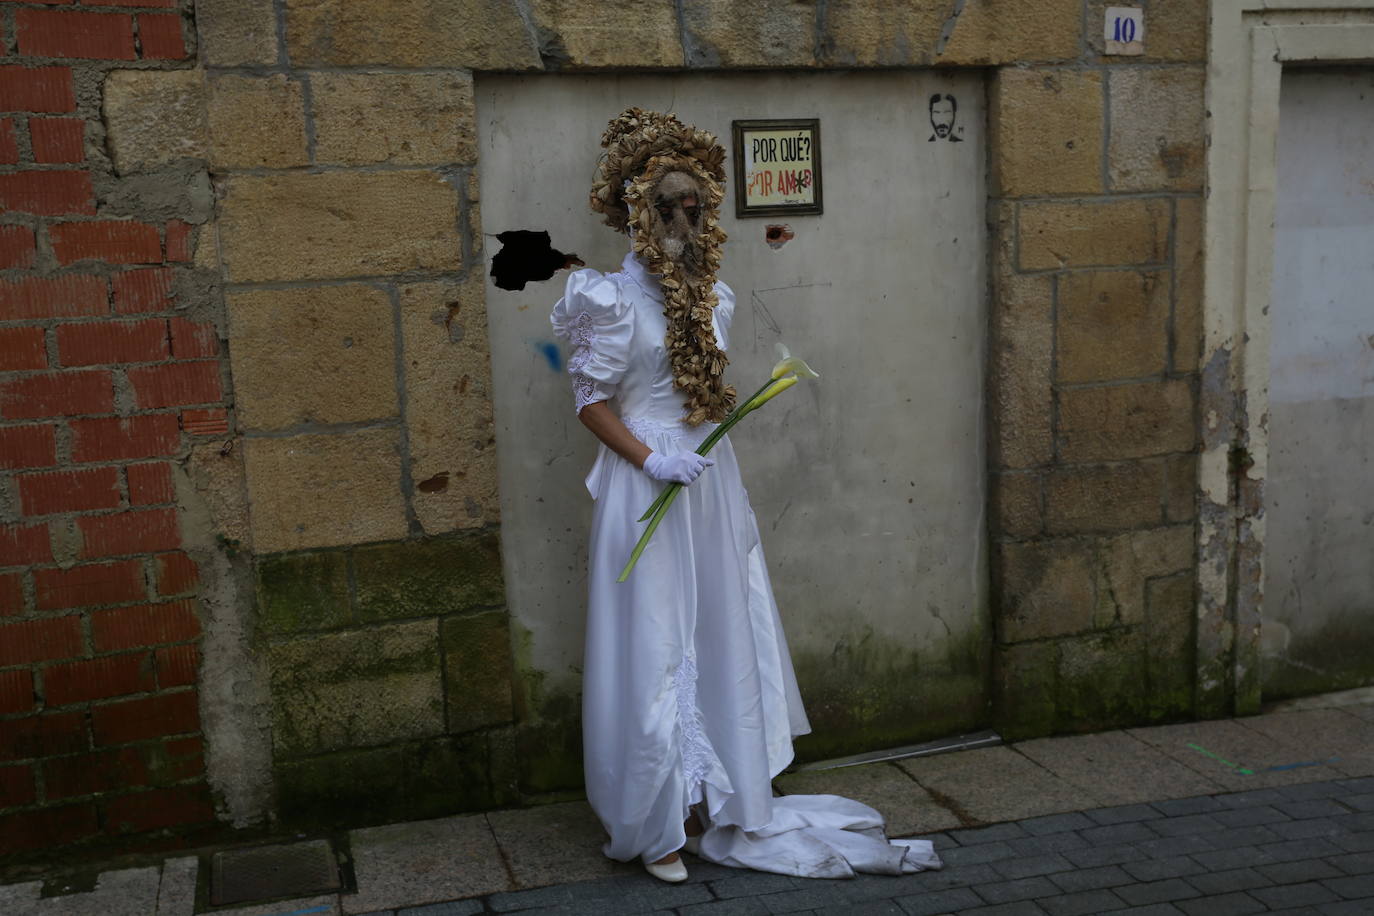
(777, 167)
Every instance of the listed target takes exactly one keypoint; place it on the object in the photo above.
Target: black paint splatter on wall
(527, 256)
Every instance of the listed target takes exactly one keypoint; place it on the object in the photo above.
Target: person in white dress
(689, 702)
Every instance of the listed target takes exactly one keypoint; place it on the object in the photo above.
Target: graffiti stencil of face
(680, 220)
(942, 114)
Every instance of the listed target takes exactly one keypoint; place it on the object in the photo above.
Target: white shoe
(672, 872)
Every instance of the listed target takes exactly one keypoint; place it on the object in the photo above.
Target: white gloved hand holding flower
(681, 468)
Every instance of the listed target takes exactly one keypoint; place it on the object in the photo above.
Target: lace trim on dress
(582, 335)
(584, 392)
(697, 753)
(582, 331)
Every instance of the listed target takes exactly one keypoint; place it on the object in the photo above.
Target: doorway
(868, 486)
(1318, 622)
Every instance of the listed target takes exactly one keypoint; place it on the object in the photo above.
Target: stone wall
(243, 336)
(1097, 166)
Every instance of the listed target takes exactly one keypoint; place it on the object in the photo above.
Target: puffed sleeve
(725, 313)
(598, 323)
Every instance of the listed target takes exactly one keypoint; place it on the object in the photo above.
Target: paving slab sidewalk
(1273, 813)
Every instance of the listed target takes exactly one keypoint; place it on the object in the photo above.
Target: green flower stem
(670, 492)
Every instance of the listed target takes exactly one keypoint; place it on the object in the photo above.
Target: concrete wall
(1319, 583)
(868, 485)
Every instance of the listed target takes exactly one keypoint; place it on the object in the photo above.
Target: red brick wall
(100, 731)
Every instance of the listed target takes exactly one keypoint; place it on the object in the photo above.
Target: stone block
(237, 33)
(739, 33)
(325, 490)
(1243, 744)
(396, 118)
(316, 354)
(256, 122)
(1100, 678)
(1014, 504)
(1112, 325)
(1106, 498)
(1013, 31)
(504, 764)
(1188, 274)
(1180, 488)
(302, 226)
(154, 118)
(1170, 664)
(302, 592)
(1023, 679)
(403, 782)
(1128, 562)
(1095, 764)
(1047, 588)
(1059, 234)
(1126, 421)
(553, 844)
(906, 808)
(356, 689)
(1157, 137)
(471, 34)
(548, 751)
(867, 34)
(1175, 30)
(448, 412)
(477, 670)
(1021, 354)
(994, 784)
(1046, 132)
(428, 578)
(575, 34)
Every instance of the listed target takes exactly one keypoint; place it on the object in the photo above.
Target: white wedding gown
(688, 690)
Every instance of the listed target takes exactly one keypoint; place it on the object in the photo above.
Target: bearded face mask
(665, 179)
(679, 220)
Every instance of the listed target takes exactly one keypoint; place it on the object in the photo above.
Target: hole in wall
(436, 484)
(777, 235)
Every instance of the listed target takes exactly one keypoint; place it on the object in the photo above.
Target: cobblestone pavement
(1305, 848)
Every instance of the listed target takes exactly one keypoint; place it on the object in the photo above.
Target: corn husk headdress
(641, 148)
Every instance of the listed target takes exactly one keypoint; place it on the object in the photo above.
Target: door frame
(1251, 42)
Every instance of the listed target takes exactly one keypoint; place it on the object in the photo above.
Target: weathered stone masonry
(277, 199)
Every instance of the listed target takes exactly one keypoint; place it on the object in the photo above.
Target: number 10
(1124, 29)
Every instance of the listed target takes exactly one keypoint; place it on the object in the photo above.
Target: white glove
(682, 468)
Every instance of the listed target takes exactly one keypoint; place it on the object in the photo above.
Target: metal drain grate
(270, 872)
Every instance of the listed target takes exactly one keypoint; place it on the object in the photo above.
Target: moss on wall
(391, 680)
(868, 693)
(1337, 658)
(409, 781)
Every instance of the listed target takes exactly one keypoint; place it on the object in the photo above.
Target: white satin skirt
(689, 697)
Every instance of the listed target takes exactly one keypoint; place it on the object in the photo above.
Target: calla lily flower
(773, 390)
(788, 364)
(786, 373)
